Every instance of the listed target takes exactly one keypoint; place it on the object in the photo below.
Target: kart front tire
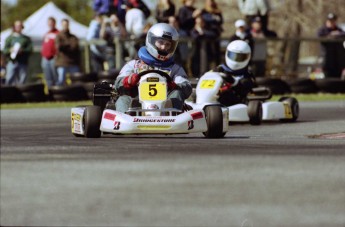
(92, 121)
(214, 121)
(293, 103)
(254, 111)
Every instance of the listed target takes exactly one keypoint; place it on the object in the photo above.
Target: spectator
(165, 9)
(135, 23)
(104, 7)
(111, 28)
(213, 19)
(48, 53)
(260, 47)
(17, 50)
(202, 37)
(182, 51)
(96, 51)
(2, 69)
(120, 10)
(242, 34)
(186, 15)
(333, 53)
(68, 55)
(253, 8)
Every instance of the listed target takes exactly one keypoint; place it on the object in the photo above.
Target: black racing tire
(303, 86)
(331, 85)
(254, 111)
(214, 121)
(294, 105)
(33, 92)
(277, 86)
(92, 121)
(10, 94)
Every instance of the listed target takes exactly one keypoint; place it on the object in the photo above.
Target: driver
(238, 80)
(160, 45)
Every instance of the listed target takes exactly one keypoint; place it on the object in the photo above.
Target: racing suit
(237, 85)
(146, 62)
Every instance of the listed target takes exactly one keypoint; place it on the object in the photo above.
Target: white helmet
(237, 54)
(161, 32)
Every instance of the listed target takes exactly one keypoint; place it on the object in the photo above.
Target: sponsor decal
(117, 125)
(154, 127)
(109, 116)
(154, 120)
(190, 125)
(287, 108)
(77, 127)
(153, 107)
(197, 115)
(161, 57)
(152, 79)
(76, 117)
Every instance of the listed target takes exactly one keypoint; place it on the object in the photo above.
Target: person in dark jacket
(186, 15)
(165, 9)
(17, 50)
(68, 55)
(333, 53)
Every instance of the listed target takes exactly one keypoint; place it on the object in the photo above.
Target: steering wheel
(161, 73)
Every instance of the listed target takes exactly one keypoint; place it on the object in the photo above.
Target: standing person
(182, 51)
(260, 47)
(17, 50)
(203, 37)
(165, 9)
(48, 53)
(111, 28)
(333, 53)
(135, 23)
(186, 15)
(104, 7)
(213, 19)
(96, 51)
(241, 33)
(68, 55)
(161, 43)
(253, 8)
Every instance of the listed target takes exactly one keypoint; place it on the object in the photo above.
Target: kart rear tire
(294, 108)
(214, 121)
(254, 111)
(92, 121)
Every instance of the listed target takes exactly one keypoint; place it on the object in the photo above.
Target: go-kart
(254, 109)
(150, 114)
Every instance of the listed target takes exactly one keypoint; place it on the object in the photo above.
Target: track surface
(268, 175)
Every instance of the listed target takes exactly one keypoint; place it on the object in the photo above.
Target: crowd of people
(129, 19)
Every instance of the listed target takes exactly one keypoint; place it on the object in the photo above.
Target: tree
(80, 10)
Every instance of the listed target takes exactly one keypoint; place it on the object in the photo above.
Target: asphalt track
(269, 175)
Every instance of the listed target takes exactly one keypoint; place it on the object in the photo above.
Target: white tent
(36, 25)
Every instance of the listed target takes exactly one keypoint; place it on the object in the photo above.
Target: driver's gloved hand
(172, 85)
(131, 81)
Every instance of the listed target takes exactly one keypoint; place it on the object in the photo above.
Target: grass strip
(299, 97)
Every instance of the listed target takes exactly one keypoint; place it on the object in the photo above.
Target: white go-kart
(151, 116)
(254, 110)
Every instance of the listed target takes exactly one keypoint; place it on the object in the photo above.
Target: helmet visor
(238, 57)
(163, 45)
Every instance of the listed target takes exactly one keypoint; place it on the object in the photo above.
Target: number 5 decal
(152, 90)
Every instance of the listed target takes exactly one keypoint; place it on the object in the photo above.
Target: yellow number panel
(206, 84)
(155, 91)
